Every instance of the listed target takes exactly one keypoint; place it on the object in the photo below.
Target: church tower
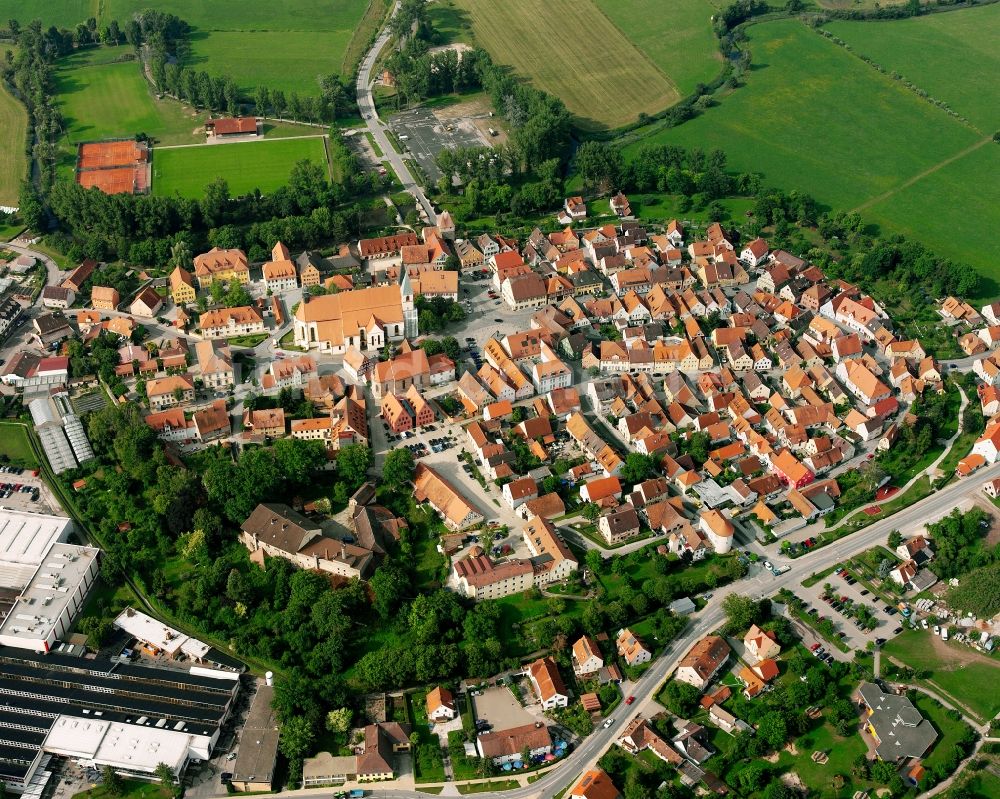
(409, 309)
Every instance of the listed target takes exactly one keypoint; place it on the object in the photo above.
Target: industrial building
(107, 711)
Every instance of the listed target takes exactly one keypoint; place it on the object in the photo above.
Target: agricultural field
(246, 166)
(281, 45)
(13, 161)
(815, 118)
(954, 57)
(679, 39)
(573, 51)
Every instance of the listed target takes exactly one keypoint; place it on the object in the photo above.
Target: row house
(229, 322)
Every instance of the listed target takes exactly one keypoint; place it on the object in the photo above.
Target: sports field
(954, 57)
(571, 49)
(13, 161)
(277, 44)
(677, 37)
(263, 165)
(816, 118)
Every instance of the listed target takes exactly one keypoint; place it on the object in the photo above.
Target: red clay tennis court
(102, 155)
(114, 167)
(111, 181)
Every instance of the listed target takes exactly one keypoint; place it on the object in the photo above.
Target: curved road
(367, 105)
(929, 509)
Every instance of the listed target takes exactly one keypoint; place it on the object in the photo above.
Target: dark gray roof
(900, 729)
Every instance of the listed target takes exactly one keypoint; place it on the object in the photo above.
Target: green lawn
(815, 118)
(982, 785)
(967, 676)
(15, 445)
(134, 789)
(949, 729)
(101, 100)
(263, 165)
(955, 58)
(284, 44)
(841, 751)
(678, 39)
(286, 60)
(13, 161)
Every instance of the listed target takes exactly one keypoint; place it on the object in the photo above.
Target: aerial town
(369, 483)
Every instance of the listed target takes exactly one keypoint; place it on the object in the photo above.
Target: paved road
(367, 105)
(920, 513)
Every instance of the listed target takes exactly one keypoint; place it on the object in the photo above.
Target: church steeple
(410, 329)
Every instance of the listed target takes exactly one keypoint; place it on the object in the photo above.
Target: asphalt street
(375, 126)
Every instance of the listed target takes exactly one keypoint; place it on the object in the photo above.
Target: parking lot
(21, 490)
(424, 135)
(886, 623)
(499, 707)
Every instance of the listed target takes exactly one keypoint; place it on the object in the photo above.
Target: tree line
(144, 229)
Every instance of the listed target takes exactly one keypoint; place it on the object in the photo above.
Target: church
(364, 318)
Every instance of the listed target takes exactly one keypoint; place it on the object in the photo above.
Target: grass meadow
(814, 117)
(573, 51)
(954, 57)
(100, 99)
(13, 161)
(678, 39)
(956, 669)
(246, 166)
(282, 45)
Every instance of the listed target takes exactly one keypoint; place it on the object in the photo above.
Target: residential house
(619, 524)
(105, 298)
(759, 644)
(440, 705)
(215, 363)
(221, 265)
(455, 510)
(230, 322)
(182, 288)
(587, 657)
(146, 303)
(548, 683)
(281, 272)
(507, 746)
(595, 784)
(169, 391)
(57, 297)
(703, 661)
(631, 649)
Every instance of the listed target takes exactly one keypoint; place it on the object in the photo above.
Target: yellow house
(222, 265)
(182, 286)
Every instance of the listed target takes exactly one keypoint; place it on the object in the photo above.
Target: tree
(113, 783)
(591, 511)
(297, 736)
(741, 612)
(353, 463)
(594, 560)
(600, 164)
(164, 774)
(339, 720)
(637, 468)
(895, 539)
(390, 585)
(773, 730)
(681, 698)
(398, 469)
